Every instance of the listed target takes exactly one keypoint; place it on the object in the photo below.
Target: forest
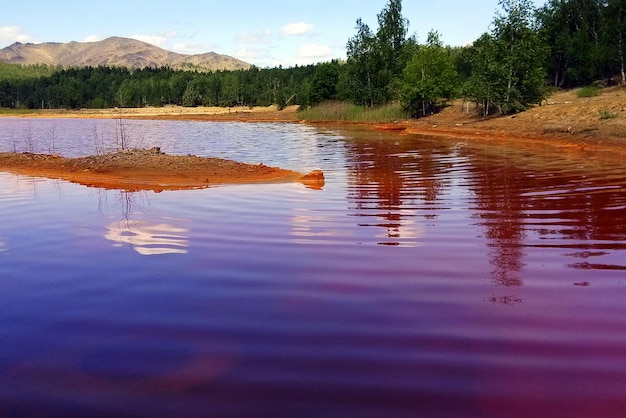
(525, 53)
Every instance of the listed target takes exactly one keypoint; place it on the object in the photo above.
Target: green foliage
(336, 111)
(586, 40)
(507, 65)
(392, 37)
(430, 78)
(376, 61)
(614, 32)
(100, 87)
(324, 83)
(21, 72)
(367, 79)
(192, 96)
(588, 91)
(16, 112)
(484, 84)
(522, 55)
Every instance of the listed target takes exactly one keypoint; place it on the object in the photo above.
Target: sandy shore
(242, 113)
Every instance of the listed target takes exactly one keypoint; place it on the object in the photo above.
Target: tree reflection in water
(393, 183)
(500, 209)
(524, 196)
(539, 199)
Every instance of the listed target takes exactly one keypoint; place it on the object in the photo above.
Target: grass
(607, 114)
(588, 91)
(346, 112)
(15, 112)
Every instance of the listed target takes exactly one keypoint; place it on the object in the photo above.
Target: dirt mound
(150, 170)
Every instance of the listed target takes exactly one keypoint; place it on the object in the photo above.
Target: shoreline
(231, 114)
(565, 121)
(563, 118)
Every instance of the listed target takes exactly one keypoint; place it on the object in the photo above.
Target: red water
(430, 277)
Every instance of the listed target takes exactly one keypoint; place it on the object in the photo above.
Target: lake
(429, 277)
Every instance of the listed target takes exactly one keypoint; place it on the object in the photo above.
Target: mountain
(115, 52)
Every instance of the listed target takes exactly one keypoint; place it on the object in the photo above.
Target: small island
(140, 169)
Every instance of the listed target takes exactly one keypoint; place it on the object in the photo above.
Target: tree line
(564, 44)
(105, 87)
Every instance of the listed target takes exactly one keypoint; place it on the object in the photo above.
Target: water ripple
(429, 277)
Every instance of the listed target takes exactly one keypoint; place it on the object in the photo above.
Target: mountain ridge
(115, 51)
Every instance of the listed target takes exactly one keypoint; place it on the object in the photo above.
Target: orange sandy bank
(150, 170)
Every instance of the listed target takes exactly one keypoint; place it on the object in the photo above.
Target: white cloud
(92, 38)
(254, 38)
(314, 51)
(248, 54)
(261, 57)
(299, 28)
(193, 48)
(157, 40)
(13, 34)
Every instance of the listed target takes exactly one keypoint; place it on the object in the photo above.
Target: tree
(430, 78)
(392, 37)
(522, 55)
(376, 61)
(230, 89)
(485, 83)
(615, 29)
(572, 31)
(507, 69)
(555, 33)
(192, 96)
(101, 87)
(365, 67)
(324, 83)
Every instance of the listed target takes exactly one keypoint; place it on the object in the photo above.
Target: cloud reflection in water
(148, 239)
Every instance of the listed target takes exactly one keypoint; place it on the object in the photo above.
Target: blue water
(429, 277)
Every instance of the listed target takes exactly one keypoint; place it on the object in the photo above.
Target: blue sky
(264, 33)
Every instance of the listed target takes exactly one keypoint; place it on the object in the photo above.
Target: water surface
(430, 277)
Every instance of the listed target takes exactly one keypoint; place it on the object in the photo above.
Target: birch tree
(430, 78)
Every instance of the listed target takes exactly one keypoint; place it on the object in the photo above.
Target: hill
(115, 52)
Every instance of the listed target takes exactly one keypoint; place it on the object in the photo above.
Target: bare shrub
(98, 140)
(51, 139)
(30, 140)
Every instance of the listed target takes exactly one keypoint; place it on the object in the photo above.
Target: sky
(265, 33)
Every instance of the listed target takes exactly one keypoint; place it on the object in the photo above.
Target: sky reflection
(148, 238)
